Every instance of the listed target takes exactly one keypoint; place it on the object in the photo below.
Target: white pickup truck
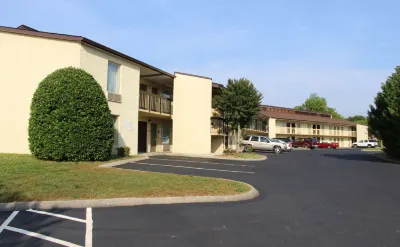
(365, 144)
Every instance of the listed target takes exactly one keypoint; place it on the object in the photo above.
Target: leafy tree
(316, 103)
(70, 118)
(239, 102)
(384, 117)
(358, 119)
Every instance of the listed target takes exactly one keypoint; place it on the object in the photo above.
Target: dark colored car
(306, 143)
(328, 145)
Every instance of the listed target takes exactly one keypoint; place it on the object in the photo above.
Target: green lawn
(24, 178)
(244, 156)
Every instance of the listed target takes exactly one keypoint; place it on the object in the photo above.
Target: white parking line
(196, 168)
(203, 162)
(56, 215)
(89, 228)
(38, 235)
(8, 220)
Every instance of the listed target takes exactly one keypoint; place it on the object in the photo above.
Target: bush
(70, 119)
(384, 117)
(123, 151)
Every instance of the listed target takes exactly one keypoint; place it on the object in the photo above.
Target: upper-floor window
(143, 87)
(112, 78)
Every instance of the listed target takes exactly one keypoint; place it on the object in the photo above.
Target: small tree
(70, 118)
(239, 102)
(384, 117)
(316, 103)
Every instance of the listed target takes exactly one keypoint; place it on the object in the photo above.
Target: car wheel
(369, 146)
(248, 148)
(355, 146)
(277, 150)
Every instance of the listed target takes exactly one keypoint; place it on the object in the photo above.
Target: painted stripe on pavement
(56, 215)
(196, 168)
(44, 237)
(8, 220)
(203, 162)
(89, 228)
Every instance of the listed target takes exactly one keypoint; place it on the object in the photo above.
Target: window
(166, 94)
(246, 138)
(154, 90)
(254, 138)
(264, 139)
(165, 135)
(115, 119)
(112, 78)
(143, 87)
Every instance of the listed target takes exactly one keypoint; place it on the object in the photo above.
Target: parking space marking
(195, 168)
(8, 220)
(88, 222)
(38, 235)
(203, 162)
(56, 215)
(89, 228)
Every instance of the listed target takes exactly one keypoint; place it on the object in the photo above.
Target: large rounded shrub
(70, 119)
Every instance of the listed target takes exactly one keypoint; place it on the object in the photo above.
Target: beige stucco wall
(217, 144)
(25, 61)
(362, 132)
(95, 62)
(271, 127)
(191, 117)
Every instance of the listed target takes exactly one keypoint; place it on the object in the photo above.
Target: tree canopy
(384, 116)
(239, 102)
(317, 103)
(358, 119)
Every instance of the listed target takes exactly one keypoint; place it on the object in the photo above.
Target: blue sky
(340, 49)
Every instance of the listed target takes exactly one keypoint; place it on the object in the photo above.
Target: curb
(208, 157)
(124, 202)
(121, 162)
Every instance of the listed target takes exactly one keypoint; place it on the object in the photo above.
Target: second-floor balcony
(155, 103)
(258, 126)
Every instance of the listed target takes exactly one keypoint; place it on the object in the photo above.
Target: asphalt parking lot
(308, 198)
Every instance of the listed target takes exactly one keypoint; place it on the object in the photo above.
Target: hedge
(70, 119)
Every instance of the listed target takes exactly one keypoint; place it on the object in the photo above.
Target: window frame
(117, 86)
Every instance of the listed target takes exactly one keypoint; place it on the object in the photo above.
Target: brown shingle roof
(28, 31)
(306, 118)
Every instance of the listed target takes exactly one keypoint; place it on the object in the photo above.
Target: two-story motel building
(153, 110)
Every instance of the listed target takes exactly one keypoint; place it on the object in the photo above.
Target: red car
(306, 143)
(328, 145)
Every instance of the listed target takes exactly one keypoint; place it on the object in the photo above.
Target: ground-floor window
(116, 127)
(165, 135)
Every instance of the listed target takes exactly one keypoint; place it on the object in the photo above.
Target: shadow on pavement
(357, 157)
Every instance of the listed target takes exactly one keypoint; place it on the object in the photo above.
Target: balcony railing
(218, 126)
(155, 103)
(258, 126)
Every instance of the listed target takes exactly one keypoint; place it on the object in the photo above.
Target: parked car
(328, 145)
(306, 143)
(262, 143)
(287, 140)
(288, 145)
(365, 144)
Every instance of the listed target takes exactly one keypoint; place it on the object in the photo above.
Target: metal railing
(258, 126)
(155, 103)
(218, 126)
